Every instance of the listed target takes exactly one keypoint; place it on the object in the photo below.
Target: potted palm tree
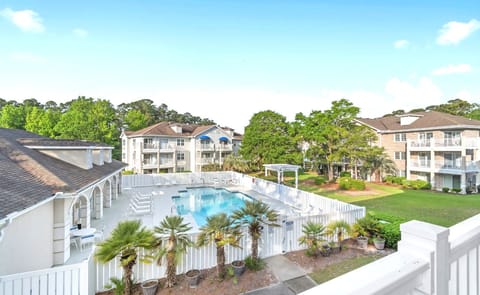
(312, 238)
(221, 230)
(255, 214)
(124, 242)
(172, 242)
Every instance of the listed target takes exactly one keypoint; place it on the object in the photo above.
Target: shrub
(345, 174)
(456, 190)
(391, 233)
(127, 172)
(254, 264)
(416, 184)
(347, 183)
(319, 180)
(394, 179)
(445, 189)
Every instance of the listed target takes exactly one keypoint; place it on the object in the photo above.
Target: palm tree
(172, 243)
(124, 243)
(340, 228)
(312, 237)
(379, 163)
(255, 214)
(221, 230)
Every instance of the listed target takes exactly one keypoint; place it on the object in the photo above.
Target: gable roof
(430, 120)
(165, 129)
(29, 177)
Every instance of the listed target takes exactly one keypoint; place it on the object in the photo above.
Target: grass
(445, 209)
(336, 269)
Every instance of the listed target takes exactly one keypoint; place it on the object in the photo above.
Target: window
(401, 173)
(123, 156)
(180, 169)
(180, 142)
(400, 155)
(124, 142)
(400, 137)
(180, 156)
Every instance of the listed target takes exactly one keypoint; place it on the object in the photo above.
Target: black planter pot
(238, 267)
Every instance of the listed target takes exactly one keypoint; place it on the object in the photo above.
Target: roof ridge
(32, 167)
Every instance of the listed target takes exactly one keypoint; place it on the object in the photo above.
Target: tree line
(88, 118)
(326, 139)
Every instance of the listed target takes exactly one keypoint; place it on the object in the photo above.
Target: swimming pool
(203, 202)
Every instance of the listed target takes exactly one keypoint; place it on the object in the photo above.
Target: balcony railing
(154, 146)
(466, 142)
(420, 164)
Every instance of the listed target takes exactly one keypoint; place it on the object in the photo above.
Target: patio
(162, 205)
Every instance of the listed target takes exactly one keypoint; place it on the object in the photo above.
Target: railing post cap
(424, 230)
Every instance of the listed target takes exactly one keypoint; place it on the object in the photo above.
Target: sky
(227, 60)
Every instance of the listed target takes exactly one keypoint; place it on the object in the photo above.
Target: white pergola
(280, 168)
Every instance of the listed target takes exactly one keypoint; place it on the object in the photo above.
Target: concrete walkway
(293, 279)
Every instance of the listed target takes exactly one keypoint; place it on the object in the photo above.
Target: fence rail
(72, 279)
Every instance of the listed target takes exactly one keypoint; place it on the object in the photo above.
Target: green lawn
(334, 270)
(440, 208)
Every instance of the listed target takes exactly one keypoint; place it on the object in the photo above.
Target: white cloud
(453, 32)
(26, 20)
(80, 32)
(406, 96)
(27, 57)
(400, 44)
(452, 69)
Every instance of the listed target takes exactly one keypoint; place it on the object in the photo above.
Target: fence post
(429, 242)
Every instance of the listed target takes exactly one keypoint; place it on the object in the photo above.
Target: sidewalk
(293, 279)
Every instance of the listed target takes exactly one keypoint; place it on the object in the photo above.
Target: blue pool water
(202, 202)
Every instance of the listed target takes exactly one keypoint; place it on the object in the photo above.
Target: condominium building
(440, 148)
(173, 147)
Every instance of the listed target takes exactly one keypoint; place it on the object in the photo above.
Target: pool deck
(162, 205)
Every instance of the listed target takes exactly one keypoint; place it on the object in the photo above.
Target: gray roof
(28, 177)
(429, 120)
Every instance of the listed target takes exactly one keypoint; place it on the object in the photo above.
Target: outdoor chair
(86, 240)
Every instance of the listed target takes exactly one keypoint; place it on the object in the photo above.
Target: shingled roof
(28, 177)
(165, 129)
(429, 120)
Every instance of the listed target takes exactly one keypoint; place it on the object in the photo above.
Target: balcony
(150, 147)
(214, 147)
(444, 144)
(445, 166)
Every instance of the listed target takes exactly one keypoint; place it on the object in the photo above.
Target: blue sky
(227, 60)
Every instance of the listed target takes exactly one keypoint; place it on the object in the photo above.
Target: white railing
(304, 201)
(72, 279)
(466, 142)
(431, 259)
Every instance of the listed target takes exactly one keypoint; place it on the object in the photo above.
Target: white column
(429, 242)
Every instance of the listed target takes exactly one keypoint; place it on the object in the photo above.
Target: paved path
(293, 279)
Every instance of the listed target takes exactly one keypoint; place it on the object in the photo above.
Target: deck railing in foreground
(431, 259)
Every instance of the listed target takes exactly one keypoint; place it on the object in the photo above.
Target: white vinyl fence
(431, 259)
(275, 239)
(72, 279)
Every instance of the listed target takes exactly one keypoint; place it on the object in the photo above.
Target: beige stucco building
(440, 148)
(173, 147)
(48, 186)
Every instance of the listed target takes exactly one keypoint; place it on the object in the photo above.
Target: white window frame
(400, 137)
(401, 155)
(180, 156)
